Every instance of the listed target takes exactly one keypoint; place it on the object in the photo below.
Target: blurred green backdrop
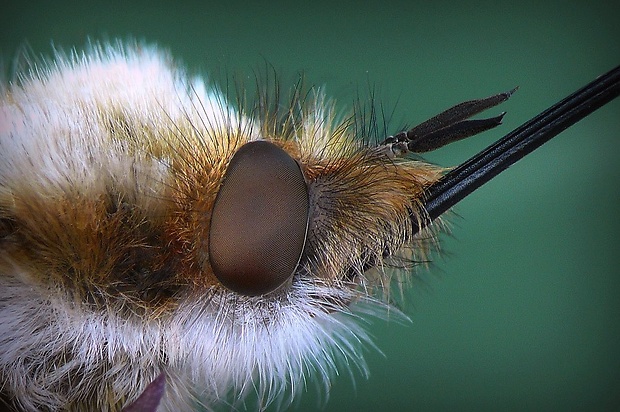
(522, 310)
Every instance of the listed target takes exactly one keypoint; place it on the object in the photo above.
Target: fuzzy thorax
(110, 164)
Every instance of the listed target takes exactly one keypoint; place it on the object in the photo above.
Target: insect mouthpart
(259, 222)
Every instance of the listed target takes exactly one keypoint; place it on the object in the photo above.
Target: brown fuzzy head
(146, 225)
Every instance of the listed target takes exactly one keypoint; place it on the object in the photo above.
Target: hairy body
(110, 164)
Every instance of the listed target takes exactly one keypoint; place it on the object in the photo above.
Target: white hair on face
(209, 350)
(215, 347)
(57, 119)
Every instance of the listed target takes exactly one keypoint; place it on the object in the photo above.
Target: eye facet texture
(259, 220)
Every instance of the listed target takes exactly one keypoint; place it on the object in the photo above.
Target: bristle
(110, 163)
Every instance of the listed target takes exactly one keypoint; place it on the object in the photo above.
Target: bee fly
(161, 246)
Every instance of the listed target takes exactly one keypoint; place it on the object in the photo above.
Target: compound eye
(259, 220)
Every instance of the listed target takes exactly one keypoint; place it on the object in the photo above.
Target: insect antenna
(473, 173)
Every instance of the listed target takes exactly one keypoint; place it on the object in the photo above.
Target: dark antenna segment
(470, 175)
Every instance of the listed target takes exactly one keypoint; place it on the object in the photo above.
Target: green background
(522, 310)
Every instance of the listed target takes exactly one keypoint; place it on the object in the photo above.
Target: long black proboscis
(469, 176)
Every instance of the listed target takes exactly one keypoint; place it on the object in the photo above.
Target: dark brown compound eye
(259, 220)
